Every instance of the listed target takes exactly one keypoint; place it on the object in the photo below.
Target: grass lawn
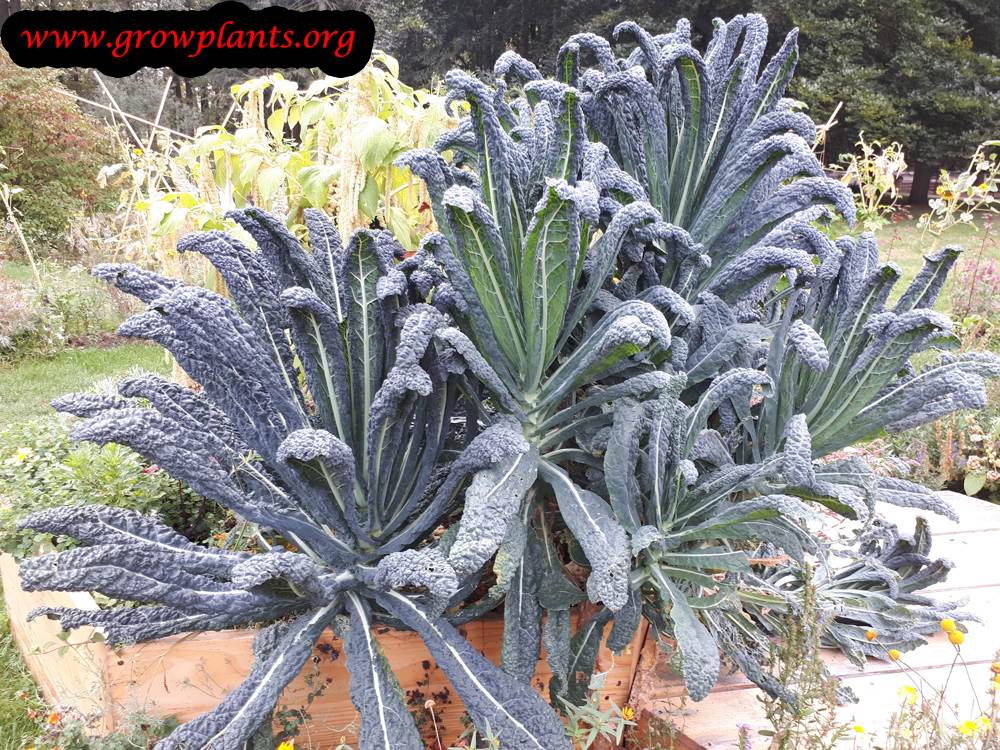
(16, 270)
(27, 386)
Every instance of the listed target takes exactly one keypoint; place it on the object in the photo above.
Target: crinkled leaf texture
(357, 469)
(627, 315)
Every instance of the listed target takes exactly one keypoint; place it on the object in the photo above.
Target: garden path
(972, 544)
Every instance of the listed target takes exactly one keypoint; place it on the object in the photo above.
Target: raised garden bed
(184, 676)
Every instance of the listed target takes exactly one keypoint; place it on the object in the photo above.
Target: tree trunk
(922, 173)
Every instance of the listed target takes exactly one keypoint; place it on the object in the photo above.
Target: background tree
(52, 150)
(906, 70)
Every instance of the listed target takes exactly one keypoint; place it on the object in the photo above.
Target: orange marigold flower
(948, 625)
(957, 637)
(53, 718)
(871, 635)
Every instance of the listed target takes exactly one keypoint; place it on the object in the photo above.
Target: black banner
(191, 43)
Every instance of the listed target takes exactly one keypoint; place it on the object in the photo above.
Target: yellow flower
(628, 713)
(287, 745)
(995, 667)
(22, 455)
(859, 729)
(983, 187)
(985, 722)
(908, 693)
(894, 654)
(947, 625)
(871, 635)
(968, 728)
(957, 637)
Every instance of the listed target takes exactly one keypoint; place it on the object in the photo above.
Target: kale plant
(331, 417)
(627, 348)
(671, 186)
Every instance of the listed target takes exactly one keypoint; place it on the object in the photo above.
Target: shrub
(974, 193)
(630, 354)
(67, 729)
(381, 377)
(75, 307)
(67, 308)
(872, 171)
(40, 467)
(51, 152)
(681, 458)
(961, 451)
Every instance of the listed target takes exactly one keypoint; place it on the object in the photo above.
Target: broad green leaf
(604, 541)
(269, 182)
(374, 142)
(483, 258)
(545, 271)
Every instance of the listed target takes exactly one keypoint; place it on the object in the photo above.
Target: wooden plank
(969, 544)
(187, 675)
(73, 678)
(970, 554)
(973, 515)
(713, 723)
(980, 646)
